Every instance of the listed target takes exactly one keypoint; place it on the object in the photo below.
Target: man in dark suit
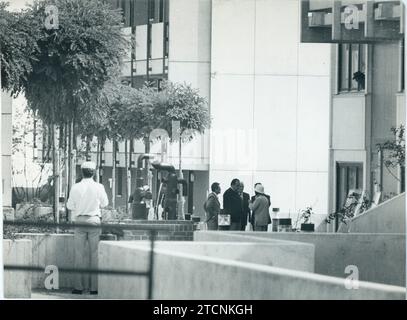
(254, 198)
(212, 207)
(232, 204)
(245, 206)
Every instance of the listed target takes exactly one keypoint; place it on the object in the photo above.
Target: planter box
(308, 227)
(8, 214)
(43, 211)
(139, 211)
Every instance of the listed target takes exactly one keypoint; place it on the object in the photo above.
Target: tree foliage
(18, 47)
(396, 147)
(181, 102)
(106, 115)
(139, 114)
(73, 61)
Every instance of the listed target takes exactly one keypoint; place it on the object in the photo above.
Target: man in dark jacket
(245, 206)
(232, 204)
(212, 207)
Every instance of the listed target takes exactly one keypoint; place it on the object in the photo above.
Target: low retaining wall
(379, 257)
(178, 230)
(51, 249)
(58, 249)
(181, 275)
(17, 284)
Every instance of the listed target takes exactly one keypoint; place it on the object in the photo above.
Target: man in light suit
(212, 207)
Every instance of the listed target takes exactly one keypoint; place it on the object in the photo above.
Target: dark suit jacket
(245, 209)
(232, 204)
(212, 209)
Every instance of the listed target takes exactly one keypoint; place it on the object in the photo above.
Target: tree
(106, 118)
(182, 104)
(139, 117)
(65, 64)
(18, 48)
(75, 59)
(396, 157)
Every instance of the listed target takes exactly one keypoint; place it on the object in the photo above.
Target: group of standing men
(238, 204)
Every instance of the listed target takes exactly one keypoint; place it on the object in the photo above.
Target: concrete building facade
(363, 112)
(268, 95)
(285, 109)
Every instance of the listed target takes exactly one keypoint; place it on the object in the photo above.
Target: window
(349, 176)
(352, 67)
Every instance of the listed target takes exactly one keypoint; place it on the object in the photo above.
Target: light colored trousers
(84, 258)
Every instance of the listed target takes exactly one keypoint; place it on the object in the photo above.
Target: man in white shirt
(86, 199)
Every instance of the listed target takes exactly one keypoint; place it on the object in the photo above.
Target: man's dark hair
(88, 173)
(234, 182)
(215, 186)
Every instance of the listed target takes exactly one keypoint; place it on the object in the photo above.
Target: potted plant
(307, 226)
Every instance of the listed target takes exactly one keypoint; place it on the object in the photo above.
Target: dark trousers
(260, 228)
(235, 226)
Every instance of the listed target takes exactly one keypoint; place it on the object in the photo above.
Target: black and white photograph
(229, 151)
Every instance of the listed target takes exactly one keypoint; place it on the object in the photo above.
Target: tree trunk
(87, 153)
(114, 175)
(72, 155)
(127, 190)
(67, 155)
(181, 200)
(147, 177)
(102, 144)
(55, 159)
(98, 161)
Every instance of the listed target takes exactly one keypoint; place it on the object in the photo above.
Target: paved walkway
(64, 294)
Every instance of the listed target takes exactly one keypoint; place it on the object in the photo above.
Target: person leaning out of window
(260, 209)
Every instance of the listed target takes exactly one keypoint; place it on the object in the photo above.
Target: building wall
(361, 120)
(269, 103)
(385, 87)
(189, 62)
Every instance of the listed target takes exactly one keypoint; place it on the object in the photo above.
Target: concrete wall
(333, 252)
(17, 284)
(51, 249)
(59, 249)
(282, 254)
(269, 103)
(179, 275)
(387, 217)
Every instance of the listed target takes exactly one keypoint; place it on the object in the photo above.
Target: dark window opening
(349, 176)
(352, 67)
